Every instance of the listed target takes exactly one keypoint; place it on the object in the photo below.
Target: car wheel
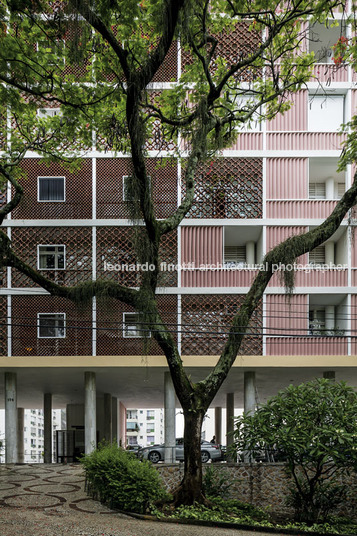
(154, 456)
(205, 456)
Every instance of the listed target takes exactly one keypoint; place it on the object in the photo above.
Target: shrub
(314, 426)
(121, 480)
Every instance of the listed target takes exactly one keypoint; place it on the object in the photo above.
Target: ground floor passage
(96, 397)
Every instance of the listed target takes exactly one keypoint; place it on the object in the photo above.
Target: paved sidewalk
(49, 500)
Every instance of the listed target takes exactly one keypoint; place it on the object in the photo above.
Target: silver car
(156, 453)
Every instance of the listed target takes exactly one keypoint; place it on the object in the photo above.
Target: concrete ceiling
(143, 386)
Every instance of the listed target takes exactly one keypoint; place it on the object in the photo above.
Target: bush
(121, 480)
(314, 426)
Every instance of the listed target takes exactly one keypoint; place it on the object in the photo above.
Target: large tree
(108, 100)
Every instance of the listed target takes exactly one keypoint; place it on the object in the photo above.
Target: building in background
(278, 180)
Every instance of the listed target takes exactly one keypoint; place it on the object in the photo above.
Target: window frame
(125, 331)
(56, 253)
(41, 315)
(51, 200)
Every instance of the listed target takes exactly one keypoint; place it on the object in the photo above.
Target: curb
(227, 525)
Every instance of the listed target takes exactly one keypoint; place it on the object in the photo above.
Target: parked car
(156, 453)
(134, 449)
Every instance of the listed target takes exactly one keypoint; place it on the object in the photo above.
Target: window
(150, 440)
(341, 188)
(44, 113)
(51, 325)
(325, 112)
(132, 328)
(51, 257)
(317, 256)
(317, 190)
(235, 255)
(317, 322)
(322, 39)
(150, 414)
(51, 189)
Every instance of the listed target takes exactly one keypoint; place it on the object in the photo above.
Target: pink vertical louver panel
(329, 72)
(304, 141)
(295, 118)
(354, 101)
(276, 235)
(300, 209)
(286, 316)
(248, 141)
(287, 178)
(311, 277)
(217, 278)
(202, 245)
(307, 346)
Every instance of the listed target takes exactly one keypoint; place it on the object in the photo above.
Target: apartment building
(279, 179)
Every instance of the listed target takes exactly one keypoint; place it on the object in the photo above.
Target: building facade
(279, 179)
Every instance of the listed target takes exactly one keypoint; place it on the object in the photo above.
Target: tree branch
(285, 253)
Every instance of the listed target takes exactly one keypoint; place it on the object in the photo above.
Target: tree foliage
(97, 62)
(313, 426)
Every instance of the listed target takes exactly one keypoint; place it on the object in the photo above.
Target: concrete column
(218, 425)
(20, 435)
(122, 425)
(250, 253)
(330, 188)
(90, 425)
(170, 419)
(230, 424)
(330, 253)
(47, 424)
(115, 419)
(329, 375)
(108, 415)
(10, 417)
(249, 392)
(329, 319)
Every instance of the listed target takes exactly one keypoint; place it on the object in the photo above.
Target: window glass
(51, 326)
(51, 258)
(51, 189)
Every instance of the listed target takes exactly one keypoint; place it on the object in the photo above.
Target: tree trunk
(190, 489)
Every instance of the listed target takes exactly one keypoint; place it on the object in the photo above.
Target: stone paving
(49, 500)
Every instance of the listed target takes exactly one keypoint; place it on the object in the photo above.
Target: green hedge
(121, 480)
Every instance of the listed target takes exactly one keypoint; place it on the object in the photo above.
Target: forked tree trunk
(190, 489)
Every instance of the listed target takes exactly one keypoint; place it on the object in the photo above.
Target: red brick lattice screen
(111, 194)
(78, 252)
(229, 188)
(78, 339)
(3, 325)
(78, 192)
(115, 245)
(3, 272)
(205, 324)
(233, 46)
(110, 337)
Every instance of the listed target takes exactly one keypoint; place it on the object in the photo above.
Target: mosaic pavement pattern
(50, 500)
(49, 488)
